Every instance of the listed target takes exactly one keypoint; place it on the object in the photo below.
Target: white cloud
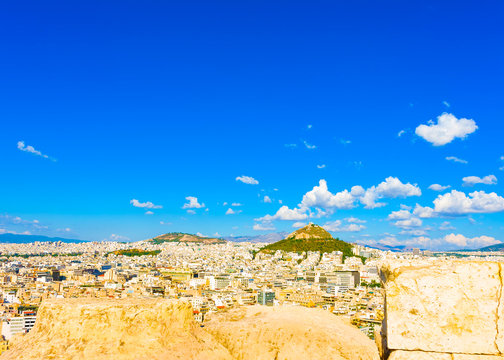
(267, 199)
(236, 204)
(414, 232)
(445, 225)
(298, 224)
(408, 223)
(475, 242)
(487, 180)
(308, 146)
(445, 103)
(115, 237)
(390, 188)
(448, 128)
(146, 205)
(437, 187)
(456, 159)
(321, 166)
(28, 148)
(401, 133)
(458, 203)
(320, 201)
(309, 126)
(423, 212)
(284, 213)
(247, 180)
(192, 212)
(224, 203)
(193, 203)
(337, 225)
(345, 142)
(321, 197)
(230, 212)
(355, 220)
(149, 212)
(399, 215)
(265, 226)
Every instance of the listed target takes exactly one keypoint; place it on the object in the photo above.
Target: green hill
(185, 238)
(311, 238)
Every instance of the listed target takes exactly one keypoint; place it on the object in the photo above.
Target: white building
(16, 325)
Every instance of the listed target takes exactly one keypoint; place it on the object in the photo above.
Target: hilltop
(186, 238)
(311, 238)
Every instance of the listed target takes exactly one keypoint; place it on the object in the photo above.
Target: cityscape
(252, 180)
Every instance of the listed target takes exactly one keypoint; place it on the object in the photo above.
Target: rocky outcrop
(261, 332)
(140, 329)
(443, 310)
(115, 329)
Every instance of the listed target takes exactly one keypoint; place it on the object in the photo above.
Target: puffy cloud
(355, 220)
(284, 213)
(337, 225)
(456, 159)
(230, 212)
(391, 188)
(448, 128)
(247, 180)
(458, 203)
(267, 199)
(487, 180)
(146, 205)
(424, 212)
(414, 232)
(321, 197)
(409, 223)
(437, 187)
(325, 202)
(298, 224)
(399, 215)
(28, 148)
(265, 226)
(309, 146)
(475, 242)
(193, 203)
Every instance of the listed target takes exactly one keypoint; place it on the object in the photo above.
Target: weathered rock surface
(444, 306)
(116, 329)
(282, 333)
(420, 355)
(140, 329)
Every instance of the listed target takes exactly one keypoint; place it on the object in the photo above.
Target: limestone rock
(421, 355)
(116, 330)
(294, 333)
(443, 306)
(418, 355)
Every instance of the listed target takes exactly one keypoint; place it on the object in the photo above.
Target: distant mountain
(397, 248)
(267, 238)
(310, 238)
(24, 239)
(496, 247)
(185, 238)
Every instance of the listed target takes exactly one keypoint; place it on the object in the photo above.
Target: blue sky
(103, 103)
